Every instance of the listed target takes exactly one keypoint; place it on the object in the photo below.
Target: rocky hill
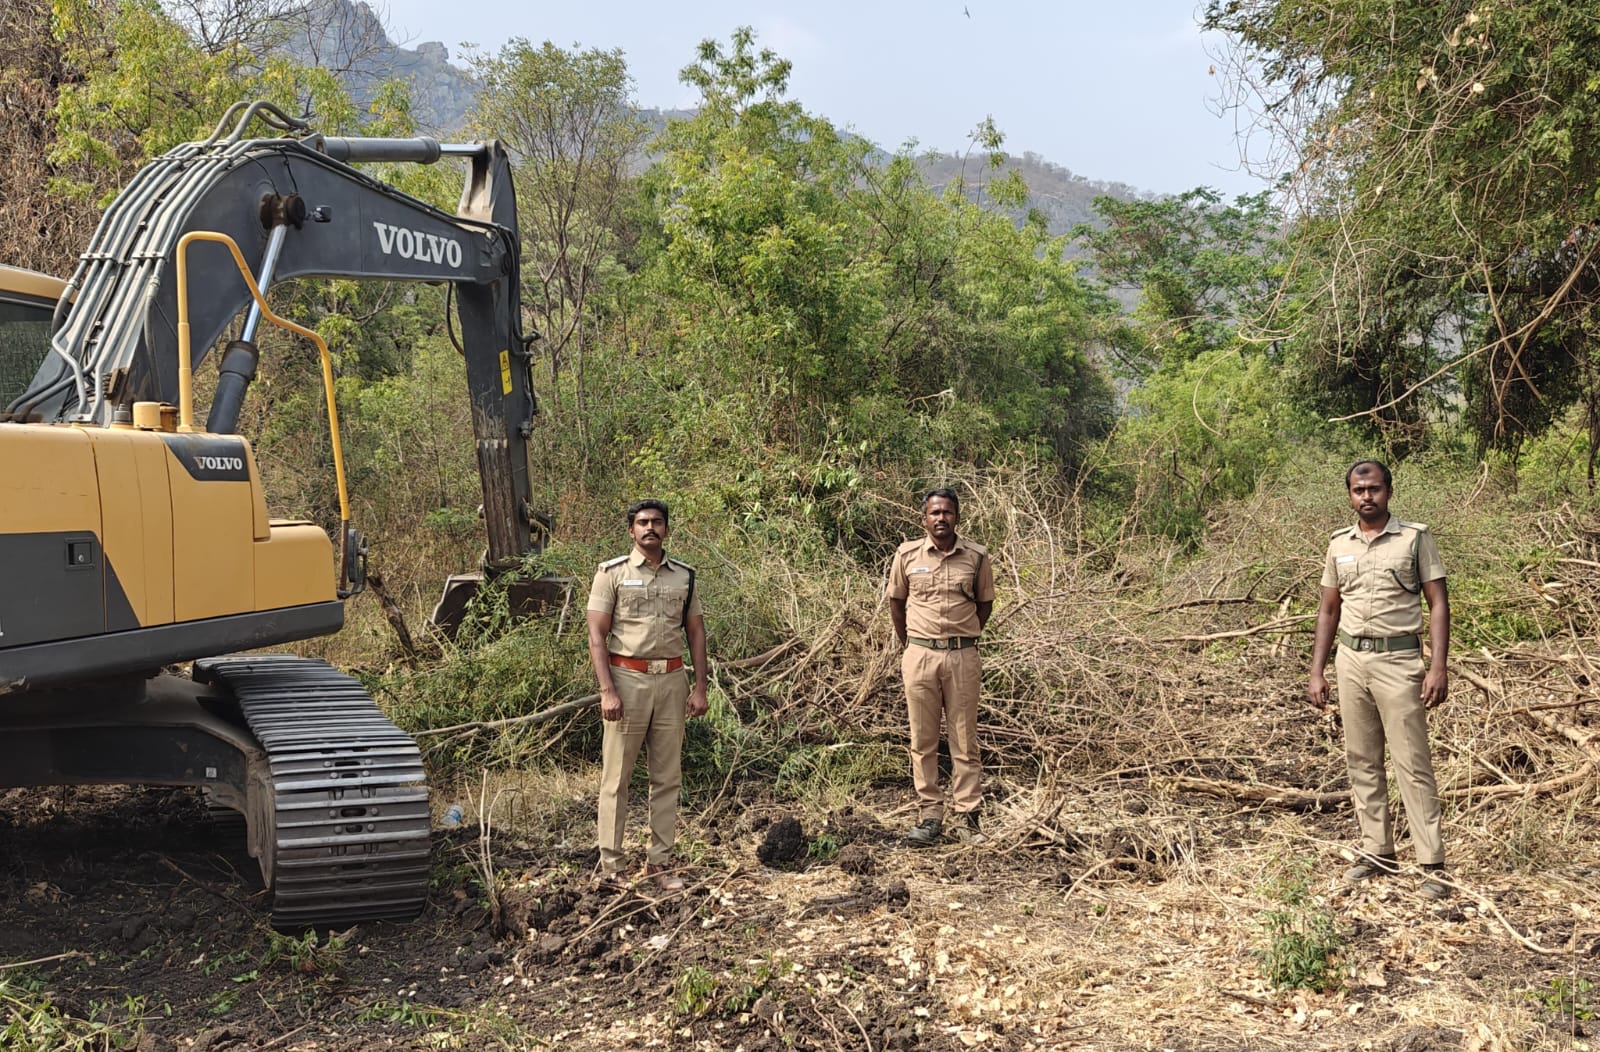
(349, 37)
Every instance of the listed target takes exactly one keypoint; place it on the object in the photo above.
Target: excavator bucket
(525, 597)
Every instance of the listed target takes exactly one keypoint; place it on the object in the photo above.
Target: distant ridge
(349, 38)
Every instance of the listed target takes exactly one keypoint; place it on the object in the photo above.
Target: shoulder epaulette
(1420, 527)
(909, 546)
(609, 563)
(975, 546)
(675, 561)
(1341, 529)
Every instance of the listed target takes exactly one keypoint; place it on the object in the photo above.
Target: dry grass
(1153, 771)
(1153, 766)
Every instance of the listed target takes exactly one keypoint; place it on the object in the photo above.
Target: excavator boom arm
(296, 205)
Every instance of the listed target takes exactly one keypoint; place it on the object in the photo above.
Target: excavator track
(347, 813)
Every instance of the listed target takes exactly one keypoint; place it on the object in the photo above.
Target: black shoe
(967, 830)
(1372, 866)
(1435, 886)
(925, 833)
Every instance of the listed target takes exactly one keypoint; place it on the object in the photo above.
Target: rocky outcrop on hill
(351, 40)
(348, 37)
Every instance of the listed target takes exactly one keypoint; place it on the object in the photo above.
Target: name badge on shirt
(1344, 558)
(635, 581)
(920, 569)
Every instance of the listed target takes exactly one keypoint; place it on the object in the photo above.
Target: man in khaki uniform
(1372, 583)
(941, 592)
(640, 607)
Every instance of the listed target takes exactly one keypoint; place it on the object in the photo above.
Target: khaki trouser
(943, 683)
(1380, 699)
(652, 716)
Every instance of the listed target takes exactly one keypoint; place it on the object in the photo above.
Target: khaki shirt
(1372, 600)
(942, 591)
(645, 604)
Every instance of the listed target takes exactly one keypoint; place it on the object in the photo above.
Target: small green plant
(1303, 939)
(306, 954)
(692, 993)
(1564, 997)
(403, 1012)
(210, 966)
(692, 850)
(752, 986)
(222, 1002)
(824, 847)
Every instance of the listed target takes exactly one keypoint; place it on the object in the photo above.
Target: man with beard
(1373, 581)
(641, 606)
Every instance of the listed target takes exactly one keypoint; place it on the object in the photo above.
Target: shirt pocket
(1347, 571)
(632, 600)
(922, 585)
(1397, 572)
(667, 601)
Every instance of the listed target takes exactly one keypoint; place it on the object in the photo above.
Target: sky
(1115, 92)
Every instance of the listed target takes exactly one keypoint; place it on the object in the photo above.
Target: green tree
(1445, 161)
(756, 249)
(569, 118)
(1198, 267)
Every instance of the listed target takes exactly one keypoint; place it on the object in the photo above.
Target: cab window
(24, 341)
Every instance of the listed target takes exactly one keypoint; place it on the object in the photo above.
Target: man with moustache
(941, 592)
(1374, 578)
(641, 606)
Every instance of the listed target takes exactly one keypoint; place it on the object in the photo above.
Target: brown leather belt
(654, 666)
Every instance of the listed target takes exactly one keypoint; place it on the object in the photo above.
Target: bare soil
(1097, 921)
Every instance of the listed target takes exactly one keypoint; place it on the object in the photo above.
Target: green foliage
(403, 1012)
(144, 82)
(308, 954)
(693, 992)
(569, 117)
(31, 1023)
(824, 847)
(1568, 998)
(1198, 433)
(832, 775)
(1198, 267)
(517, 673)
(1302, 935)
(446, 1027)
(751, 984)
(1438, 197)
(807, 291)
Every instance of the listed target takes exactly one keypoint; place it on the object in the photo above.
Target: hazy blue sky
(1113, 91)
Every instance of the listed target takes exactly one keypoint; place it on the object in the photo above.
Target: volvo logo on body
(211, 458)
(418, 245)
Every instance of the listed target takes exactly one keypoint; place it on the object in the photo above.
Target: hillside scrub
(1166, 813)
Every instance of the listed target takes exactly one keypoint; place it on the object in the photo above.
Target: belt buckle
(941, 644)
(1364, 643)
(657, 666)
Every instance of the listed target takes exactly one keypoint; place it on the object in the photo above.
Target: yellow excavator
(136, 542)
